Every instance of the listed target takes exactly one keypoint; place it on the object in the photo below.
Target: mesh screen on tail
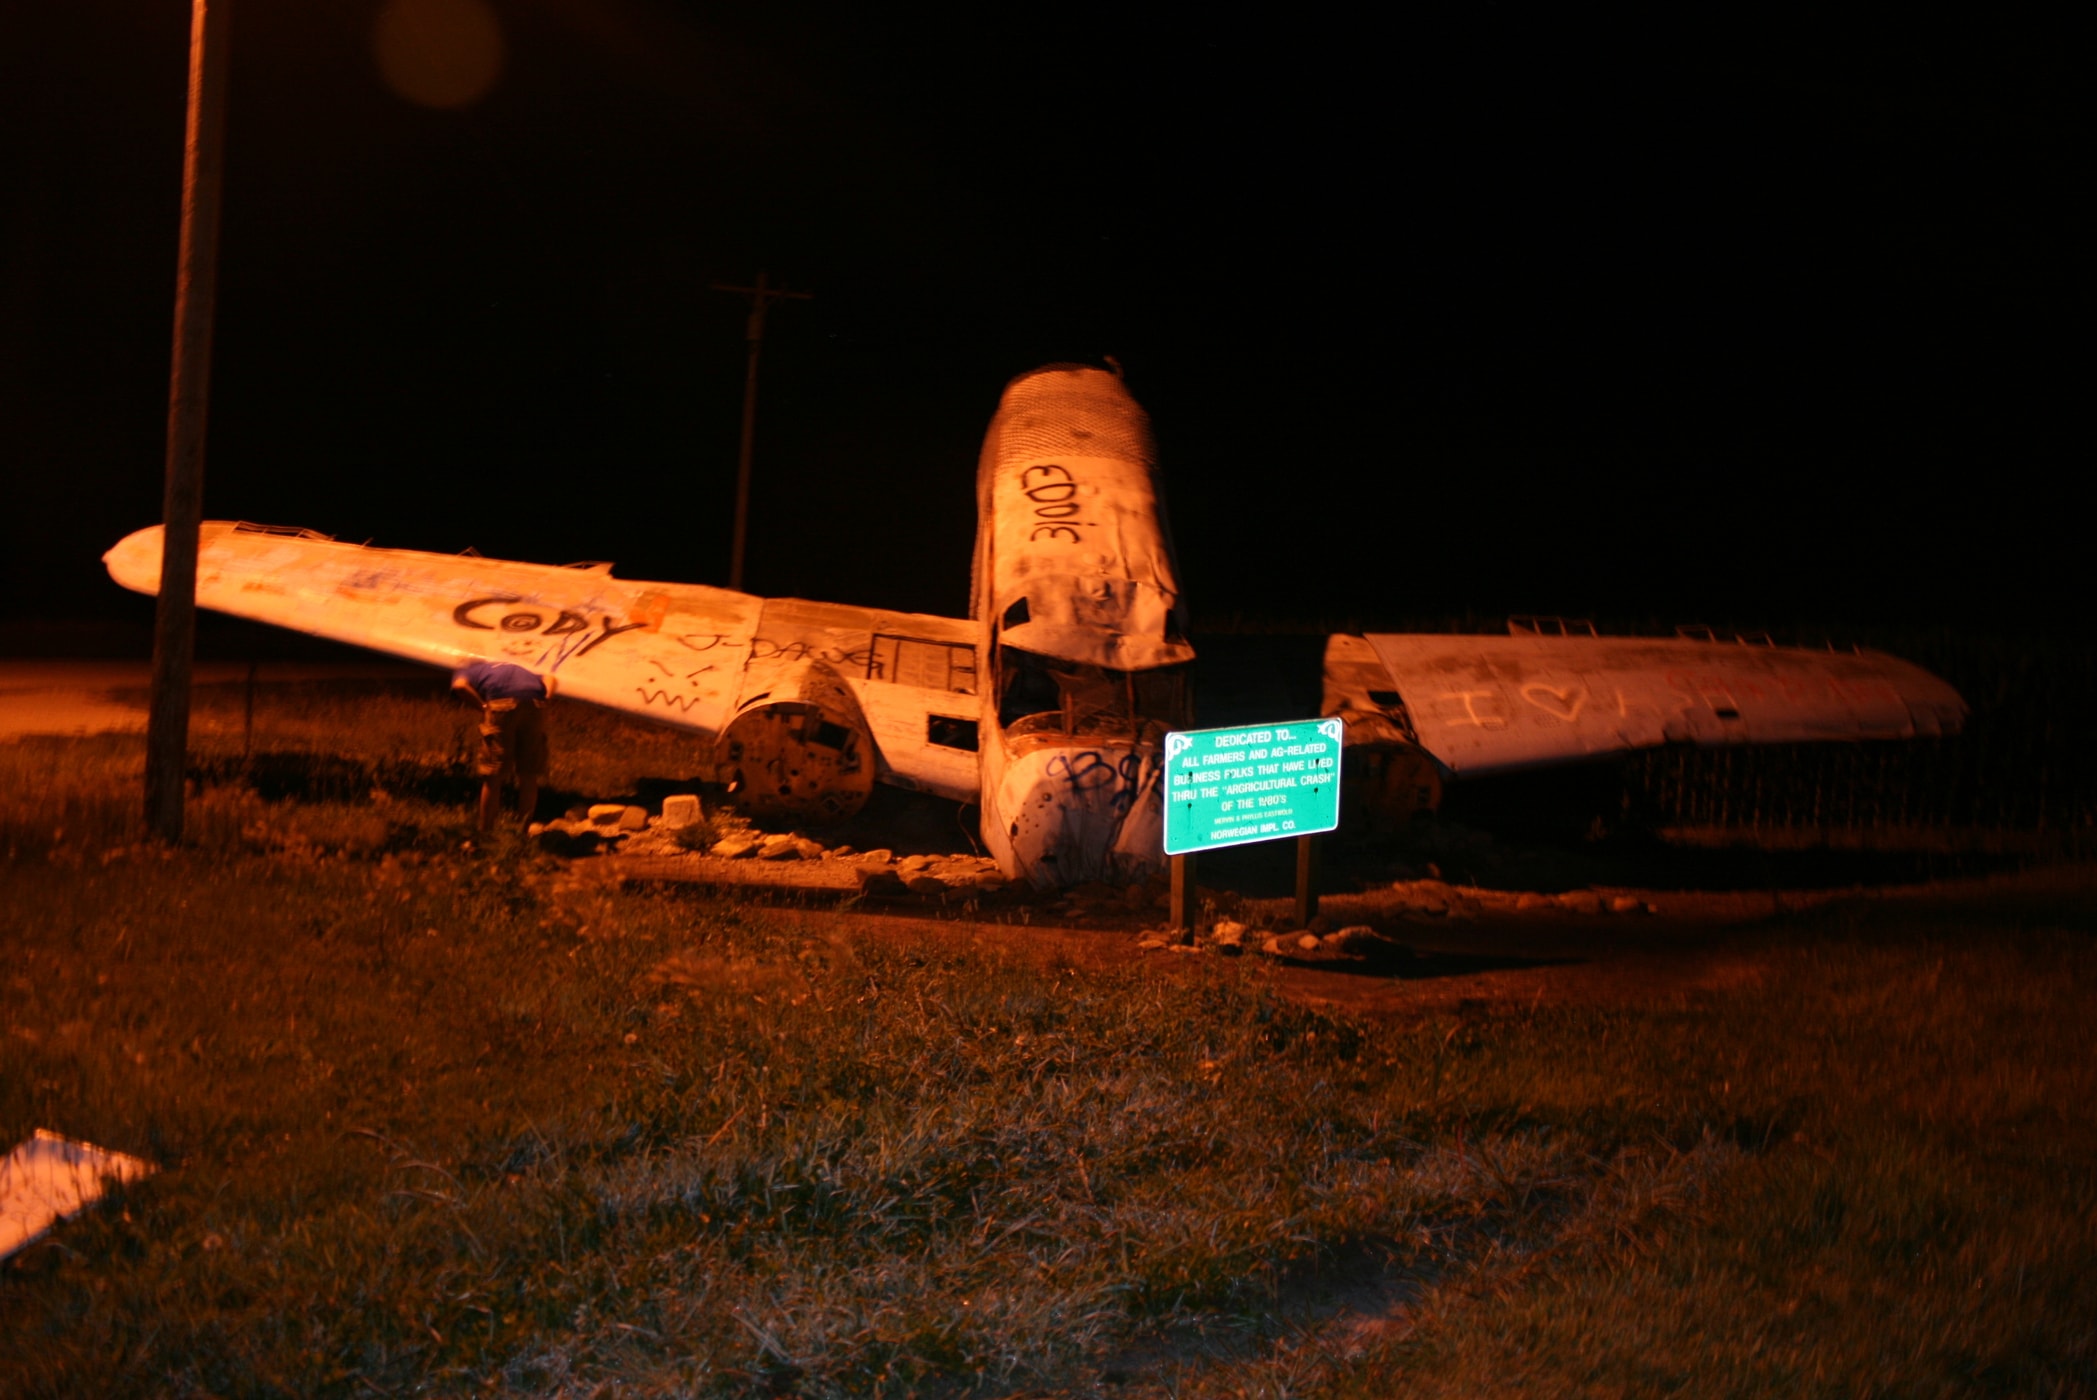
(1074, 412)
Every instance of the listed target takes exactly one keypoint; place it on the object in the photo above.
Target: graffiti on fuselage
(530, 633)
(381, 581)
(763, 649)
(1089, 771)
(858, 659)
(1052, 494)
(659, 696)
(664, 686)
(705, 641)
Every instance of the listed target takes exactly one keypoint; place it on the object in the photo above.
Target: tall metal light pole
(189, 391)
(761, 296)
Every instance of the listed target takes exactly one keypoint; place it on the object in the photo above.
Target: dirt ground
(1677, 942)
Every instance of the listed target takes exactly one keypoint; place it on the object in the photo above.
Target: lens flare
(439, 53)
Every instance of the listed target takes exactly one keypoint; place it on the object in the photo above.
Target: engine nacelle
(800, 751)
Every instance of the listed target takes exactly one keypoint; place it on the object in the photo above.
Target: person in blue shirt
(513, 731)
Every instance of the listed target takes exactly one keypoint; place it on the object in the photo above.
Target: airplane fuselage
(1081, 631)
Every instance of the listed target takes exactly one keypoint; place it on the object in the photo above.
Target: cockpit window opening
(949, 666)
(1046, 695)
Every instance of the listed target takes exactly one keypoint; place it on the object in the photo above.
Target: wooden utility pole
(189, 394)
(761, 296)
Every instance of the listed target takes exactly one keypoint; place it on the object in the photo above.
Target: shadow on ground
(1460, 854)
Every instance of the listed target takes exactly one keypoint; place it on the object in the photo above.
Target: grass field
(440, 1121)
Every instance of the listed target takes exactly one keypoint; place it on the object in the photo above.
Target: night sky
(1440, 311)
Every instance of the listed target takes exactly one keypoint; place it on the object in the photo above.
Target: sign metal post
(1306, 882)
(1183, 900)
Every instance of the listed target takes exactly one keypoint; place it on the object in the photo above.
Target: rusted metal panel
(1489, 704)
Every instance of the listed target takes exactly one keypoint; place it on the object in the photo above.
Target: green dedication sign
(1258, 782)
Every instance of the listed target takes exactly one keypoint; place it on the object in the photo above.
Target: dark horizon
(1471, 315)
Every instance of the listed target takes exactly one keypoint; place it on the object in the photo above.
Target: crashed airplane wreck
(1049, 705)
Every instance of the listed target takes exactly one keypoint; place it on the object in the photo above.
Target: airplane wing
(1482, 704)
(750, 673)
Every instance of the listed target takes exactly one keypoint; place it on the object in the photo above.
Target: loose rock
(734, 847)
(681, 810)
(1361, 940)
